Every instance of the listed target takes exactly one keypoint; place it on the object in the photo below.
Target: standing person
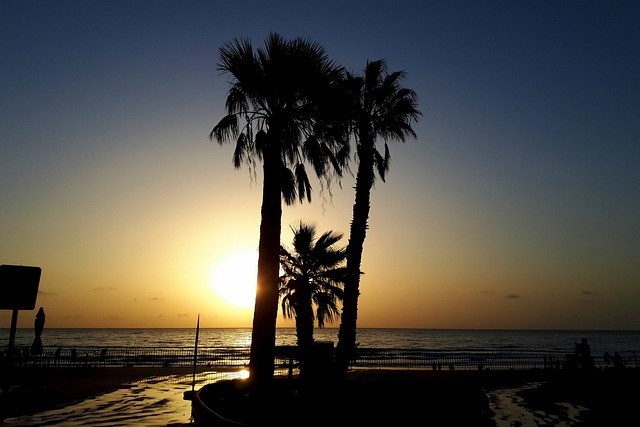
(583, 354)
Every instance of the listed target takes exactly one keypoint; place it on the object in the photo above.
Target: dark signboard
(19, 287)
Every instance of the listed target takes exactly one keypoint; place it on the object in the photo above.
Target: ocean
(452, 340)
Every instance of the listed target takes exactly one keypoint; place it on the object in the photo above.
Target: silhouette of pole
(12, 332)
(195, 355)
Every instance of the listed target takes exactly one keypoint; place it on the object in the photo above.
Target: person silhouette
(583, 354)
(36, 347)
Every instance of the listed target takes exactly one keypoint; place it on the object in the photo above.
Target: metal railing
(451, 360)
(286, 357)
(130, 356)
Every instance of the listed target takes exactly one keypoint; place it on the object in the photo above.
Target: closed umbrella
(36, 347)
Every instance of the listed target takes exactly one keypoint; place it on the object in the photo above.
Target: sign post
(18, 291)
(14, 325)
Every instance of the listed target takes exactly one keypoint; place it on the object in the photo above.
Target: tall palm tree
(313, 275)
(278, 113)
(381, 107)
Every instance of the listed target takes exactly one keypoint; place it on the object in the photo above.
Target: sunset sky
(517, 206)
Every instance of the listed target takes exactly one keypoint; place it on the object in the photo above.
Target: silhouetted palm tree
(277, 113)
(380, 108)
(313, 276)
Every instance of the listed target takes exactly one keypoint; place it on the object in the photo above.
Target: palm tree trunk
(304, 323)
(261, 363)
(345, 350)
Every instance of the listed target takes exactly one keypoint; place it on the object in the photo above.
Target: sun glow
(234, 275)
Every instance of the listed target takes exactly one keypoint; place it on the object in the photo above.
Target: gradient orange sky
(517, 206)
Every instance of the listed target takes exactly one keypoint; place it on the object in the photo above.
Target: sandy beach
(154, 396)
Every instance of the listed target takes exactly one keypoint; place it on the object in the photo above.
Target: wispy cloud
(73, 317)
(588, 296)
(513, 296)
(46, 294)
(104, 288)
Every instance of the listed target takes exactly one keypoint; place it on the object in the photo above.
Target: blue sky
(522, 189)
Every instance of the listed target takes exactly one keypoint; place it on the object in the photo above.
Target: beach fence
(460, 360)
(133, 356)
(475, 360)
(286, 357)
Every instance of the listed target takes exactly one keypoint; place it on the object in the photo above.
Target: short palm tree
(380, 108)
(279, 112)
(313, 275)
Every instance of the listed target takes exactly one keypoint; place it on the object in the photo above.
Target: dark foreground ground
(442, 398)
(369, 398)
(612, 395)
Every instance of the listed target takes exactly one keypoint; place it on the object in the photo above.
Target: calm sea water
(451, 340)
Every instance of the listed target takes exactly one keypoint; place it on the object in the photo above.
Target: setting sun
(233, 277)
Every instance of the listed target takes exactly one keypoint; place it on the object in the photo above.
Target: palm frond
(235, 55)
(226, 129)
(373, 74)
(237, 100)
(303, 237)
(287, 185)
(326, 308)
(335, 277)
(288, 309)
(242, 150)
(304, 186)
(343, 155)
(382, 163)
(326, 240)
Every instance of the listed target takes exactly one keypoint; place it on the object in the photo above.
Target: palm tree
(313, 275)
(277, 113)
(380, 108)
